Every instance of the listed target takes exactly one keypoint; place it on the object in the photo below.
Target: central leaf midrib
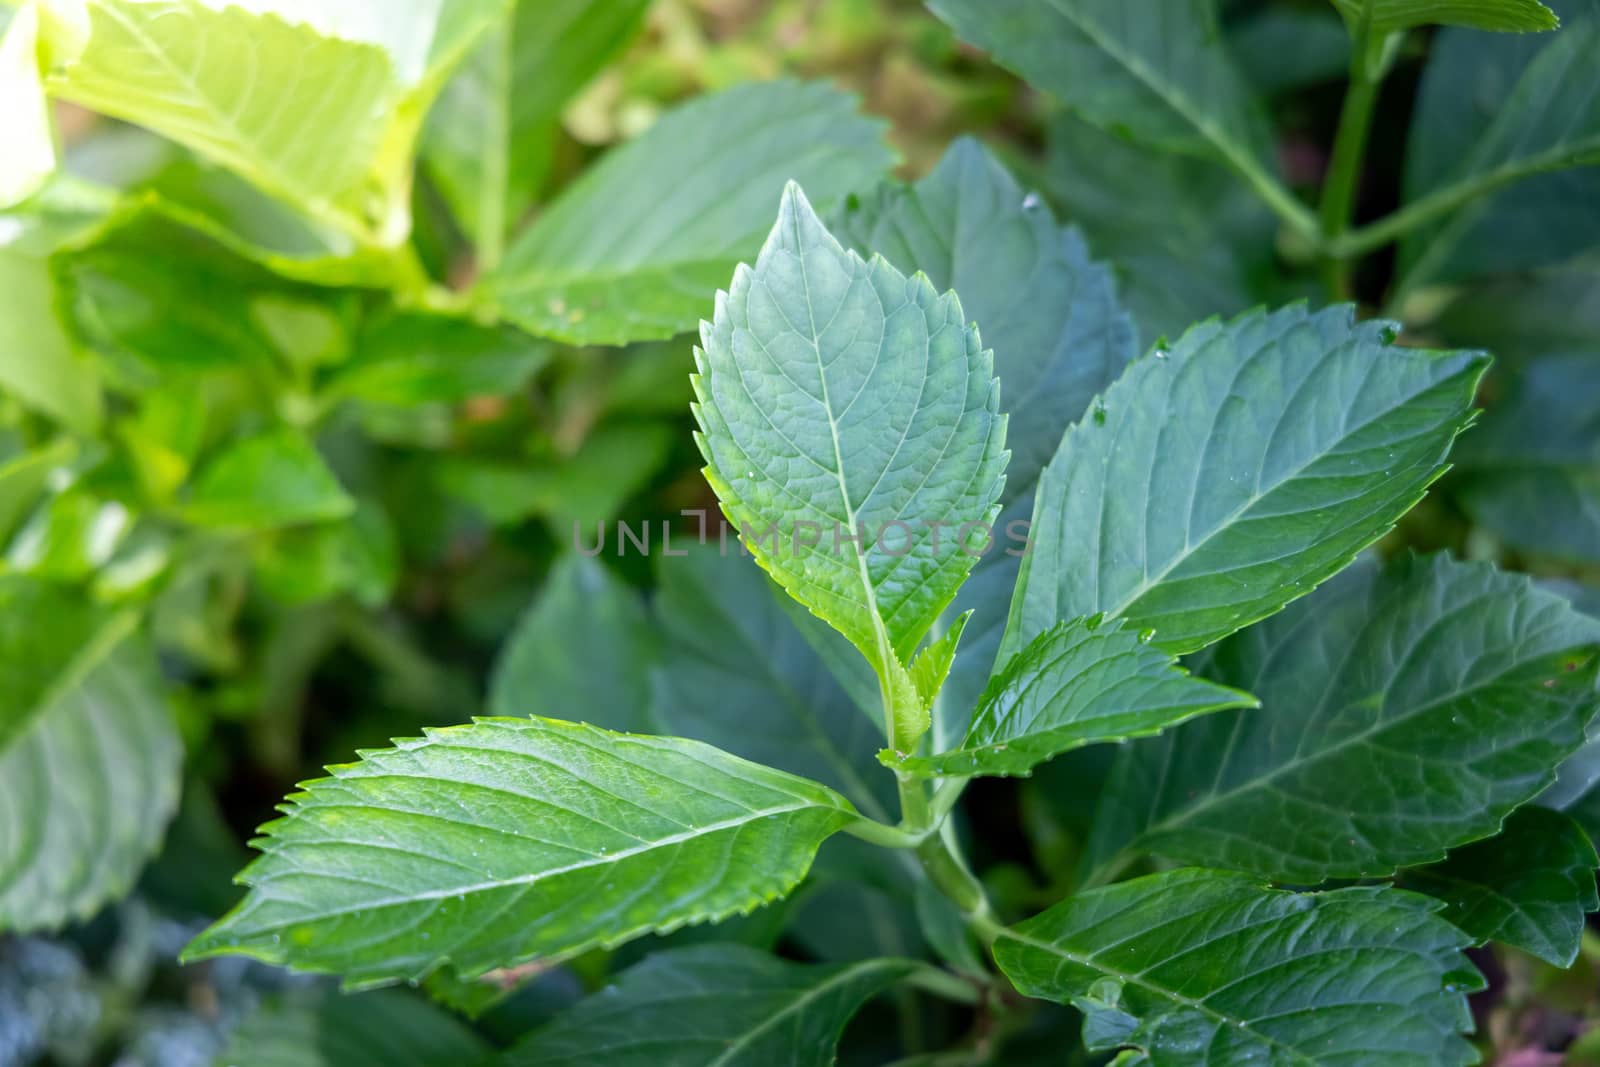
(692, 834)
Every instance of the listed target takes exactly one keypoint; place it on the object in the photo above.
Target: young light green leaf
(1208, 969)
(583, 650)
(1078, 683)
(838, 398)
(1391, 16)
(1167, 82)
(1221, 479)
(39, 364)
(611, 261)
(1048, 311)
(712, 1004)
(1544, 117)
(931, 666)
(510, 840)
(724, 631)
(1531, 474)
(383, 1028)
(1528, 887)
(25, 125)
(89, 757)
(269, 480)
(1405, 712)
(490, 134)
(302, 115)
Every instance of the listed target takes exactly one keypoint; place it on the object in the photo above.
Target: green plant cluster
(1128, 642)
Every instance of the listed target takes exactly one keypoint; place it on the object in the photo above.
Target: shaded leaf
(1531, 473)
(712, 1004)
(384, 1028)
(406, 358)
(1207, 969)
(1404, 712)
(582, 651)
(1528, 887)
(611, 261)
(1220, 480)
(510, 840)
(739, 672)
(1048, 311)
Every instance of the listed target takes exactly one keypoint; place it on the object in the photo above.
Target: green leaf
(582, 651)
(25, 126)
(1542, 115)
(613, 261)
(1078, 683)
(358, 556)
(510, 840)
(1221, 479)
(1166, 82)
(576, 492)
(724, 631)
(208, 310)
(384, 1028)
(712, 1004)
(1531, 474)
(1390, 16)
(355, 80)
(1208, 969)
(837, 393)
(89, 757)
(1404, 712)
(24, 478)
(931, 666)
(490, 134)
(1528, 887)
(39, 365)
(404, 359)
(273, 479)
(1047, 310)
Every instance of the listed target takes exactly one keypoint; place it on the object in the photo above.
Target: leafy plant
(1095, 637)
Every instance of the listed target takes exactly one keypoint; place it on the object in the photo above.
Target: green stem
(1442, 202)
(885, 836)
(1349, 149)
(953, 879)
(942, 983)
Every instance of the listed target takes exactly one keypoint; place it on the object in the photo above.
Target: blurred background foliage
(332, 507)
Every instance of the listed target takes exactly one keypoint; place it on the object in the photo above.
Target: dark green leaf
(378, 1029)
(1531, 473)
(408, 358)
(1389, 16)
(713, 1004)
(1047, 311)
(738, 672)
(1403, 713)
(1528, 887)
(1221, 479)
(582, 651)
(1206, 969)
